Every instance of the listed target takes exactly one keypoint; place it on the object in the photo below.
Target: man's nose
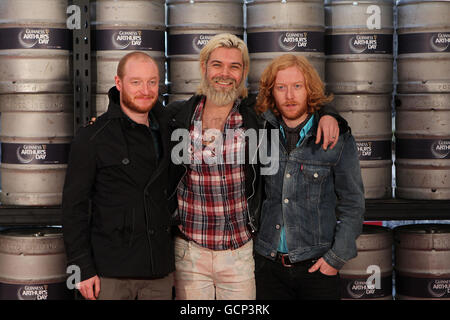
(225, 71)
(145, 89)
(290, 92)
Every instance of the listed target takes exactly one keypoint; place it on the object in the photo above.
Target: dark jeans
(276, 282)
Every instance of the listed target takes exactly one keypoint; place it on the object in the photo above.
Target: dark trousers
(277, 282)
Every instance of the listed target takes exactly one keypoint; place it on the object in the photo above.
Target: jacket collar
(183, 116)
(273, 120)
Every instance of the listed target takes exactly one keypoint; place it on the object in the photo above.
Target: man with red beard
(300, 246)
(217, 202)
(116, 222)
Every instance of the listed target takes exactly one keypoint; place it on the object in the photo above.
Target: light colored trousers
(204, 274)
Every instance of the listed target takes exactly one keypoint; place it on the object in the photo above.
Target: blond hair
(314, 85)
(226, 40)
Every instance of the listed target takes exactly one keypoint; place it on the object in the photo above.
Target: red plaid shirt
(212, 206)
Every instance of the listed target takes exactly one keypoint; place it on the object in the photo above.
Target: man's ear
(203, 67)
(118, 82)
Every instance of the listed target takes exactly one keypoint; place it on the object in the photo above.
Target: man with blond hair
(300, 247)
(218, 202)
(118, 166)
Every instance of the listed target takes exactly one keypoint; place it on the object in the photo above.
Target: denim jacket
(304, 196)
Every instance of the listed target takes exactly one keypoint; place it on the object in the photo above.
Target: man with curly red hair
(300, 246)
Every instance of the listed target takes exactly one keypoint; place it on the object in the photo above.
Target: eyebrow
(138, 78)
(233, 63)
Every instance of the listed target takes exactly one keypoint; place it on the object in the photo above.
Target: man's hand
(90, 288)
(329, 128)
(324, 267)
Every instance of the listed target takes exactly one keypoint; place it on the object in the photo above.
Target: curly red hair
(314, 85)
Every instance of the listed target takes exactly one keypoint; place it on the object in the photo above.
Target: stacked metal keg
(33, 265)
(36, 101)
(120, 27)
(422, 262)
(423, 100)
(190, 26)
(279, 27)
(359, 64)
(368, 276)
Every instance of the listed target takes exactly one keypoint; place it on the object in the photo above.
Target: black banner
(358, 288)
(424, 42)
(52, 291)
(422, 287)
(188, 43)
(35, 38)
(145, 40)
(374, 150)
(422, 148)
(286, 41)
(19, 153)
(358, 44)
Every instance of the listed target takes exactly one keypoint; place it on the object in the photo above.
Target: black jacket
(128, 232)
(180, 114)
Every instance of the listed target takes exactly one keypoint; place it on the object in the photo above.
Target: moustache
(290, 102)
(224, 79)
(144, 97)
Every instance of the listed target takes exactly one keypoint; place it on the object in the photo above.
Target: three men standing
(123, 164)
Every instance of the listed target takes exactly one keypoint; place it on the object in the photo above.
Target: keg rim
(390, 2)
(423, 228)
(32, 232)
(194, 1)
(404, 2)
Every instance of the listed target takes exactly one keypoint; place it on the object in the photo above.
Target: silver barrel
(358, 42)
(36, 131)
(35, 46)
(190, 26)
(423, 146)
(33, 265)
(422, 262)
(36, 100)
(369, 274)
(369, 117)
(423, 46)
(279, 27)
(120, 27)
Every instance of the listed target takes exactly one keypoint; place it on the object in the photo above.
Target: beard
(127, 101)
(223, 96)
(293, 114)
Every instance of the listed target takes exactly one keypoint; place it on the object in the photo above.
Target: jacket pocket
(116, 224)
(314, 177)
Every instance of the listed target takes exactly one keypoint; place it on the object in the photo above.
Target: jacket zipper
(252, 226)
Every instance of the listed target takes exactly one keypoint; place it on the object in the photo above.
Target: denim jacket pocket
(314, 176)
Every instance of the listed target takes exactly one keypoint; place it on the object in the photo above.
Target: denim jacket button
(273, 254)
(288, 175)
(286, 200)
(277, 226)
(315, 175)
